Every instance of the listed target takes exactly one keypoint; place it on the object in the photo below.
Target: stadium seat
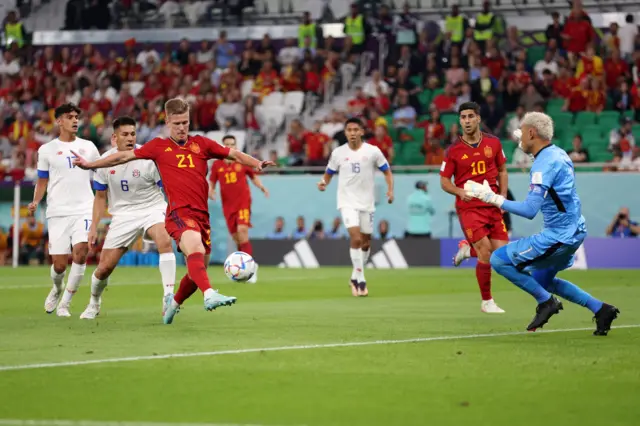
(584, 118)
(561, 118)
(592, 130)
(609, 119)
(410, 154)
(294, 102)
(273, 99)
(554, 106)
(417, 135)
(447, 120)
(424, 98)
(535, 54)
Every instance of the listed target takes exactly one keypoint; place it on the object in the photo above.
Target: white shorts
(67, 231)
(125, 230)
(357, 218)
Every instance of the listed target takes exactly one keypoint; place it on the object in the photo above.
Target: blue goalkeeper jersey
(552, 176)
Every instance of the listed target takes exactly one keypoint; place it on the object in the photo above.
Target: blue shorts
(538, 252)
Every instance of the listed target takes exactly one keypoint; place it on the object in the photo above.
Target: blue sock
(566, 290)
(502, 265)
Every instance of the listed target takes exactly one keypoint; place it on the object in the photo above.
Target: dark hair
(629, 19)
(66, 109)
(125, 120)
(228, 137)
(353, 120)
(469, 105)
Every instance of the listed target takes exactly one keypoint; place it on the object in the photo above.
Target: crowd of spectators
(577, 73)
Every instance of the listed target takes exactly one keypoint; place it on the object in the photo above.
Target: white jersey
(356, 172)
(69, 190)
(133, 187)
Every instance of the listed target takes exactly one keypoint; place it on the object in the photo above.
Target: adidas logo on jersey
(168, 149)
(389, 257)
(464, 157)
(300, 257)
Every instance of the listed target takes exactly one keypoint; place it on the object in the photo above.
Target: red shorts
(185, 219)
(238, 217)
(483, 222)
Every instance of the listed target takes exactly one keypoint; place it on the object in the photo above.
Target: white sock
(365, 256)
(58, 279)
(73, 281)
(356, 260)
(168, 271)
(97, 287)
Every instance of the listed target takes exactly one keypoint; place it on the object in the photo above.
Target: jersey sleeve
(43, 162)
(215, 150)
(94, 154)
(448, 167)
(100, 180)
(147, 151)
(334, 165)
(501, 159)
(154, 174)
(381, 162)
(543, 174)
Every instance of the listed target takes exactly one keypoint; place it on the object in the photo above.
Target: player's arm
(213, 180)
(447, 170)
(99, 207)
(332, 169)
(43, 179)
(248, 160)
(503, 179)
(258, 183)
(114, 159)
(388, 178)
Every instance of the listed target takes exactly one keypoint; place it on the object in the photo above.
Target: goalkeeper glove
(483, 192)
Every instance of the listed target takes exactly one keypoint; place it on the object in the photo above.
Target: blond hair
(541, 122)
(176, 106)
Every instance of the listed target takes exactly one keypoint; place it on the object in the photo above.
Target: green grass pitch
(468, 368)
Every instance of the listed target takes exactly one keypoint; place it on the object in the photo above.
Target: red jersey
(314, 146)
(234, 188)
(464, 162)
(183, 169)
(384, 145)
(613, 71)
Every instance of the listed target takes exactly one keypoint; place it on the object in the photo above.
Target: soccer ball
(239, 266)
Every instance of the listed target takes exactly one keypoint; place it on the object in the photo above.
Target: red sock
(198, 271)
(186, 289)
(473, 252)
(246, 247)
(483, 275)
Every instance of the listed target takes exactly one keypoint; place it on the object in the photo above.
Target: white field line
(288, 348)
(18, 422)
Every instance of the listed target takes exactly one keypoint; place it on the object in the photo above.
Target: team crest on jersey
(238, 167)
(488, 152)
(190, 223)
(60, 153)
(136, 173)
(113, 172)
(195, 148)
(469, 233)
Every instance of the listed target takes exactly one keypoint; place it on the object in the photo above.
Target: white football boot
(464, 253)
(52, 300)
(63, 310)
(490, 307)
(254, 278)
(91, 312)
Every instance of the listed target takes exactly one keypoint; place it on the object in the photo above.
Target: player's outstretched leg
(57, 276)
(547, 304)
(604, 314)
(365, 249)
(192, 246)
(463, 253)
(76, 273)
(483, 276)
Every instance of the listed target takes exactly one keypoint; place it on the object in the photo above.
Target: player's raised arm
(114, 159)
(248, 160)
